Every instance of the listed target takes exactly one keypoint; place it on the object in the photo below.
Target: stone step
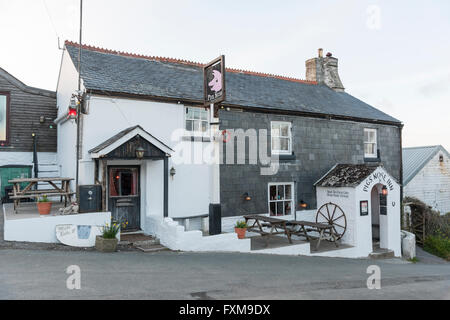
(151, 248)
(382, 254)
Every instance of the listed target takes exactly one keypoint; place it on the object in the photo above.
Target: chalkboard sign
(214, 81)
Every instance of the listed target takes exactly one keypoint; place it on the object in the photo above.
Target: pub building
(139, 113)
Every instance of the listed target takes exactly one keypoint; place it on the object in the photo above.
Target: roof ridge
(423, 147)
(186, 62)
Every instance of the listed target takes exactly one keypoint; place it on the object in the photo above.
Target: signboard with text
(214, 81)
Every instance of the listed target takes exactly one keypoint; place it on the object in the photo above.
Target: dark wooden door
(124, 196)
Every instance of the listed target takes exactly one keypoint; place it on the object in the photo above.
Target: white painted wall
(432, 184)
(42, 229)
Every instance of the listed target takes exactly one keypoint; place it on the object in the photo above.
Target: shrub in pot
(240, 228)
(44, 205)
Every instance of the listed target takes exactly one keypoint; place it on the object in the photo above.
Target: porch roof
(346, 175)
(124, 136)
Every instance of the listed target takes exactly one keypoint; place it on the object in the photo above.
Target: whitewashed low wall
(42, 229)
(174, 236)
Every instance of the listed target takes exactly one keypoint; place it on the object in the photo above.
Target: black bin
(90, 198)
(215, 219)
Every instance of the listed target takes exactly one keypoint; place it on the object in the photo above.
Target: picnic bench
(275, 225)
(30, 192)
(325, 231)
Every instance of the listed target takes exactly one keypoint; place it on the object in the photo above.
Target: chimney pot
(320, 53)
(329, 54)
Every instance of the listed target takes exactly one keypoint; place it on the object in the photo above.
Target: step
(382, 254)
(152, 248)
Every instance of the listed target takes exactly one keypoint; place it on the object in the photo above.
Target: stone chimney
(324, 71)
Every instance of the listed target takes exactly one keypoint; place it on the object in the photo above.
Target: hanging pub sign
(214, 81)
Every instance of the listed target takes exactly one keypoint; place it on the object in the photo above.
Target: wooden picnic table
(29, 192)
(325, 231)
(275, 225)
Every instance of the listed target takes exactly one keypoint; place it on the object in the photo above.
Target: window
(4, 114)
(281, 199)
(281, 137)
(197, 121)
(123, 182)
(370, 143)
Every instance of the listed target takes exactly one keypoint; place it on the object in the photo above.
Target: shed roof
(111, 71)
(414, 159)
(346, 175)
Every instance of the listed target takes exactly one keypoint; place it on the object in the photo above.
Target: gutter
(253, 109)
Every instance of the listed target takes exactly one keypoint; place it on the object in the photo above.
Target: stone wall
(318, 144)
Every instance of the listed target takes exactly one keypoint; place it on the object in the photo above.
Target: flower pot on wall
(240, 232)
(44, 208)
(105, 245)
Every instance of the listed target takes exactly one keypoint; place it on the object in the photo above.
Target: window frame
(369, 155)
(292, 200)
(194, 133)
(5, 143)
(281, 152)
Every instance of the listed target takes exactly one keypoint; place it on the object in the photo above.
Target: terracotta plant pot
(240, 232)
(105, 245)
(44, 208)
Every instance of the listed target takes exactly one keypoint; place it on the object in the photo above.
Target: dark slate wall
(318, 145)
(25, 110)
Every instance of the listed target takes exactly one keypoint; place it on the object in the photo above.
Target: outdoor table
(28, 192)
(326, 231)
(277, 226)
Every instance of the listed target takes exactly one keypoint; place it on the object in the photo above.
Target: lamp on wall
(247, 197)
(172, 172)
(384, 191)
(140, 152)
(303, 204)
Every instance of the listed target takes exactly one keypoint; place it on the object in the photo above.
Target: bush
(438, 245)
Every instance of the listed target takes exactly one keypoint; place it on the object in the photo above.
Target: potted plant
(107, 242)
(240, 228)
(44, 205)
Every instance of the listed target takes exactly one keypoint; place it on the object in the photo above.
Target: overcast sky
(392, 54)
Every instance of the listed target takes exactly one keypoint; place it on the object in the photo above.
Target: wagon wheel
(332, 214)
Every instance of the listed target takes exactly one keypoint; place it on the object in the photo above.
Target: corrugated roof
(346, 175)
(111, 71)
(414, 159)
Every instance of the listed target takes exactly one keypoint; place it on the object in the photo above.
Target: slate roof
(346, 175)
(119, 135)
(414, 159)
(112, 71)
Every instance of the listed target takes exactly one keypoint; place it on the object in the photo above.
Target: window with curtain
(197, 121)
(370, 143)
(3, 118)
(123, 182)
(281, 137)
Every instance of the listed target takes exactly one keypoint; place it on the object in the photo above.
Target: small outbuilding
(426, 176)
(369, 197)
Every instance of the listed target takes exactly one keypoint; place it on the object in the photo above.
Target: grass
(438, 245)
(414, 260)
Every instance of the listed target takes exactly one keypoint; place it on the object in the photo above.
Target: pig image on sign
(216, 83)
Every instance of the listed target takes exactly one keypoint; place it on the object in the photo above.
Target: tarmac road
(41, 274)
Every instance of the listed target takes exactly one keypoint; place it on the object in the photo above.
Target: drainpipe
(35, 157)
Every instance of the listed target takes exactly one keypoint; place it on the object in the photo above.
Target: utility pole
(80, 98)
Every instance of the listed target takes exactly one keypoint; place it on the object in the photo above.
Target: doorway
(124, 196)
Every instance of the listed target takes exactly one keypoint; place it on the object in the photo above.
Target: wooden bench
(325, 231)
(276, 226)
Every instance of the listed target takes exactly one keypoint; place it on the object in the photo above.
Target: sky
(392, 54)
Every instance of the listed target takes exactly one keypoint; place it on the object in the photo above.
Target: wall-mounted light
(140, 152)
(247, 197)
(172, 172)
(384, 191)
(41, 119)
(303, 204)
(72, 110)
